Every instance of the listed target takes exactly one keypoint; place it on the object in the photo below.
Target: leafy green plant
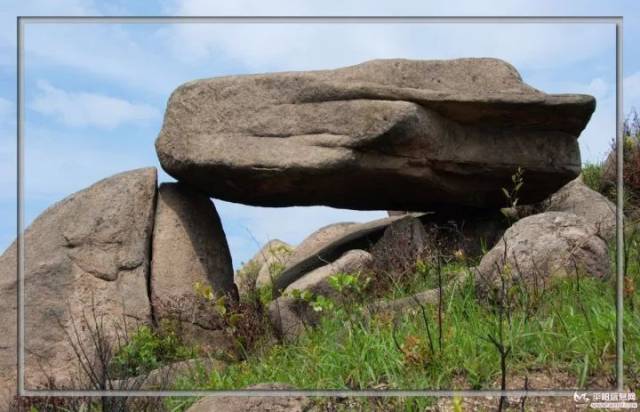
(149, 349)
(203, 291)
(511, 195)
(319, 303)
(349, 283)
(322, 304)
(265, 294)
(303, 295)
(243, 321)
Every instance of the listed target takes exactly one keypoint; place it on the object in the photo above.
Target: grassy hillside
(569, 330)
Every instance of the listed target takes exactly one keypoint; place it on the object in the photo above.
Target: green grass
(592, 175)
(571, 331)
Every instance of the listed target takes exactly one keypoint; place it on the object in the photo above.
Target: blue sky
(95, 93)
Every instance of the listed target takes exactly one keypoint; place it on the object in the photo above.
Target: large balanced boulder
(189, 249)
(382, 135)
(89, 252)
(577, 198)
(541, 247)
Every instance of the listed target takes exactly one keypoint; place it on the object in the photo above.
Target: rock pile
(437, 137)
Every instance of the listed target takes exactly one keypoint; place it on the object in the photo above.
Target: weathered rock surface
(544, 246)
(246, 276)
(318, 240)
(366, 136)
(402, 244)
(290, 317)
(316, 281)
(319, 249)
(577, 198)
(258, 403)
(91, 249)
(189, 247)
(399, 306)
(163, 378)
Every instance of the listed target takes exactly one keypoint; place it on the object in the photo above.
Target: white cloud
(81, 109)
(303, 46)
(595, 141)
(312, 46)
(129, 55)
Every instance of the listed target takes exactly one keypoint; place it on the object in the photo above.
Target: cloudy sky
(95, 93)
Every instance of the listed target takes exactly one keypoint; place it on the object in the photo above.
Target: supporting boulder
(381, 135)
(86, 254)
(290, 317)
(189, 249)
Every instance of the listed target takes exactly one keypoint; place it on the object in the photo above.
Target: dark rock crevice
(149, 263)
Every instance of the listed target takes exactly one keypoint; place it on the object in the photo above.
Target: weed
(149, 349)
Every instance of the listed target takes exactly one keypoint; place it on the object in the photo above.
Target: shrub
(149, 349)
(246, 277)
(631, 167)
(243, 321)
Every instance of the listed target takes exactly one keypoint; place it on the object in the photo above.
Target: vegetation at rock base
(148, 349)
(571, 329)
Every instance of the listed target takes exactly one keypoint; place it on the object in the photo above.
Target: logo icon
(581, 397)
